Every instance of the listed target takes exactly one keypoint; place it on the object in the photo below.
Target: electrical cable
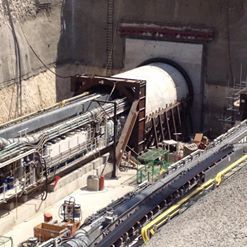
(18, 60)
(112, 91)
(41, 61)
(45, 192)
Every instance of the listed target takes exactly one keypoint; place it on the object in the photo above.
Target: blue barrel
(10, 182)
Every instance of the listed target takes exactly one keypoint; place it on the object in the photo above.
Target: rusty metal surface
(131, 89)
(177, 33)
(143, 131)
(126, 132)
(164, 125)
(85, 82)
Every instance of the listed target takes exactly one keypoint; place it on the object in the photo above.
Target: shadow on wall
(18, 68)
(65, 49)
(81, 42)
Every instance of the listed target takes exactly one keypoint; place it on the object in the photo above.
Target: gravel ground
(218, 219)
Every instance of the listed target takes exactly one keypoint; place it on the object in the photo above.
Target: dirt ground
(219, 219)
(40, 91)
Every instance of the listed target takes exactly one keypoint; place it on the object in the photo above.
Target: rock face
(217, 219)
(74, 31)
(20, 9)
(22, 25)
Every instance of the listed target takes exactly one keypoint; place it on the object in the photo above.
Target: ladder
(109, 37)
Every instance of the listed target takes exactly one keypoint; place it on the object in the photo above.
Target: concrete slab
(90, 203)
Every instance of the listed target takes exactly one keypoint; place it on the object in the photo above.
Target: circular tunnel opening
(176, 66)
(166, 83)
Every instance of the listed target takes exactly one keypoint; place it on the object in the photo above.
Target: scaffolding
(155, 163)
(231, 114)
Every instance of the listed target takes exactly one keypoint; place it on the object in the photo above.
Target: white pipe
(165, 85)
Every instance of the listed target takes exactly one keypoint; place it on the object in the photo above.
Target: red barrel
(47, 217)
(101, 183)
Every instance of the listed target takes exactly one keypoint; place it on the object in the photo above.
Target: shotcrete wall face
(74, 32)
(189, 57)
(165, 85)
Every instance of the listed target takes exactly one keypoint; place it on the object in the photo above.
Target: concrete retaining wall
(41, 31)
(188, 56)
(75, 32)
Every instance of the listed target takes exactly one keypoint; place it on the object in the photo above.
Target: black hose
(18, 59)
(45, 192)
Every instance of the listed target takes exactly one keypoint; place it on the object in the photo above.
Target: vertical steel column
(173, 121)
(155, 133)
(161, 128)
(179, 117)
(114, 171)
(168, 126)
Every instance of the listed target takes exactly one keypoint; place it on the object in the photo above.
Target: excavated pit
(217, 219)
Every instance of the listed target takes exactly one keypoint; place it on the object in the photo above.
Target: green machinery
(154, 164)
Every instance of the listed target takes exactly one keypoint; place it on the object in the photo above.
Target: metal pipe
(114, 171)
(67, 126)
(48, 118)
(114, 175)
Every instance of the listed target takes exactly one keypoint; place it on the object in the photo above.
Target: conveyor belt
(154, 196)
(150, 229)
(139, 206)
(184, 177)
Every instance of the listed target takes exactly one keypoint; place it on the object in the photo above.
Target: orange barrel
(101, 183)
